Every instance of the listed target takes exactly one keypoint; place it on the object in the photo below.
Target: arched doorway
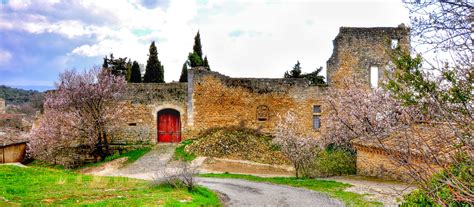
(169, 126)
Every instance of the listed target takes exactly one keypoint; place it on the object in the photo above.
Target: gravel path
(234, 191)
(147, 166)
(247, 193)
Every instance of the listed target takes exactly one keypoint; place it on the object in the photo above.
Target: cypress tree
(195, 58)
(206, 63)
(135, 76)
(197, 48)
(128, 67)
(154, 72)
(184, 73)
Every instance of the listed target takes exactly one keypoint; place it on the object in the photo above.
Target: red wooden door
(169, 126)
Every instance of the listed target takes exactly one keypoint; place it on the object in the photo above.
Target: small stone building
(171, 112)
(423, 146)
(12, 145)
(13, 135)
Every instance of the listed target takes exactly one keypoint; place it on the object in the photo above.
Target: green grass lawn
(44, 186)
(132, 156)
(332, 188)
(180, 154)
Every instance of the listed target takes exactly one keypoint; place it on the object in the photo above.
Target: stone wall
(220, 101)
(357, 49)
(12, 120)
(375, 162)
(137, 122)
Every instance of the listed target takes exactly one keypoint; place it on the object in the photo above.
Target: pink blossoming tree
(300, 149)
(78, 113)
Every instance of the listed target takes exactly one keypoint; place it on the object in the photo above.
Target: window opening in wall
(394, 43)
(316, 109)
(263, 113)
(316, 122)
(374, 76)
(132, 124)
(316, 117)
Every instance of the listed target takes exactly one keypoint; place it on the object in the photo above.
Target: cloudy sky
(40, 38)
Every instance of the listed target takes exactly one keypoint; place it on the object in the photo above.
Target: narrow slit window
(132, 124)
(316, 117)
(374, 76)
(316, 121)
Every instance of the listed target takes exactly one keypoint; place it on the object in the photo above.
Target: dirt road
(247, 193)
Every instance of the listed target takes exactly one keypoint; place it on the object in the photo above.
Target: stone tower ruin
(361, 52)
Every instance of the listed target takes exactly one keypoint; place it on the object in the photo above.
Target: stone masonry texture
(357, 49)
(210, 99)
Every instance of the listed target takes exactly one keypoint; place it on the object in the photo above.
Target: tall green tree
(195, 58)
(135, 76)
(154, 72)
(128, 67)
(206, 63)
(184, 73)
(197, 48)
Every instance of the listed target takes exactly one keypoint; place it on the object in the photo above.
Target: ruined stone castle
(171, 112)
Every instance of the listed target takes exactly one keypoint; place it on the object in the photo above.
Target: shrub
(297, 147)
(417, 198)
(442, 189)
(333, 162)
(182, 175)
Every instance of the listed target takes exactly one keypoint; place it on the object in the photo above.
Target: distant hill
(34, 88)
(19, 96)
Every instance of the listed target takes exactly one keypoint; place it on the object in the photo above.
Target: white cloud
(19, 4)
(5, 57)
(274, 33)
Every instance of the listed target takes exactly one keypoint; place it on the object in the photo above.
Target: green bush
(132, 155)
(333, 161)
(417, 198)
(440, 189)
